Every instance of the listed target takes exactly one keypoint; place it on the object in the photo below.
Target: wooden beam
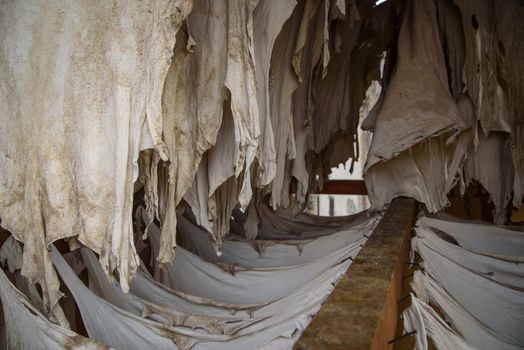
(362, 311)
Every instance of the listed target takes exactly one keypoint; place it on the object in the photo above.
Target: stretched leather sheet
(479, 237)
(494, 268)
(254, 299)
(421, 317)
(190, 274)
(228, 331)
(476, 282)
(294, 310)
(472, 329)
(234, 328)
(273, 253)
(286, 224)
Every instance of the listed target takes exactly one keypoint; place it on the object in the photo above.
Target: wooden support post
(362, 311)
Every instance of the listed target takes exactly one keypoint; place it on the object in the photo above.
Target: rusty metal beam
(362, 311)
(343, 187)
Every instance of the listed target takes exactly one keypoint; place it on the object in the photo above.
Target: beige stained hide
(223, 179)
(80, 97)
(494, 37)
(411, 148)
(193, 99)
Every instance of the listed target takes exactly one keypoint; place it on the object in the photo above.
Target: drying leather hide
(410, 150)
(80, 97)
(477, 282)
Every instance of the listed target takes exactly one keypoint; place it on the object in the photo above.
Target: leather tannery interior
(262, 174)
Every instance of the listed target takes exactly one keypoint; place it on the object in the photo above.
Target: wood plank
(362, 311)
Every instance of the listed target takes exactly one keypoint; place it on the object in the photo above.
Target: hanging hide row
(222, 106)
(207, 102)
(450, 112)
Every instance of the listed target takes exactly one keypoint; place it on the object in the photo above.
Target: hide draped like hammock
(110, 291)
(288, 250)
(477, 282)
(257, 283)
(264, 301)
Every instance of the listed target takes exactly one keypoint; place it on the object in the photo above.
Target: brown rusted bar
(344, 187)
(362, 311)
